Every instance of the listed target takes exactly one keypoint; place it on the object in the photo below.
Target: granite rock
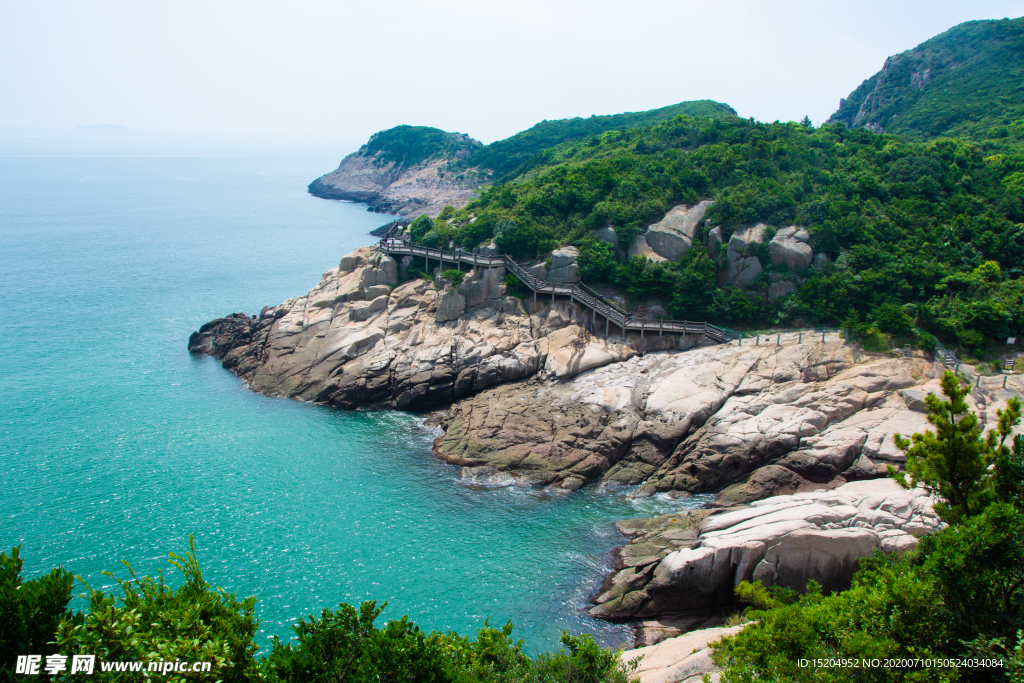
(683, 659)
(790, 247)
(783, 540)
(672, 236)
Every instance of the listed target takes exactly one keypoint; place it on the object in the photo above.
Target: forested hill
(967, 82)
(915, 233)
(505, 156)
(411, 145)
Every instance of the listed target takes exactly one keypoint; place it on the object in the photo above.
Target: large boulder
(790, 247)
(781, 541)
(744, 237)
(777, 290)
(482, 287)
(715, 241)
(450, 306)
(672, 236)
(563, 266)
(743, 271)
(606, 234)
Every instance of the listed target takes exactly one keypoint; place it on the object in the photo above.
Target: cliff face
(403, 173)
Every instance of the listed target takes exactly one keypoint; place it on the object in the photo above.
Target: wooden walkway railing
(612, 314)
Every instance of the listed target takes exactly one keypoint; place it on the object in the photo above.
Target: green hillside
(505, 156)
(916, 233)
(967, 82)
(412, 144)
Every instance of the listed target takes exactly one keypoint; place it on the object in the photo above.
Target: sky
(340, 71)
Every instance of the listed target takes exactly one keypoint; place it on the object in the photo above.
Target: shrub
(454, 276)
(152, 621)
(31, 611)
(420, 227)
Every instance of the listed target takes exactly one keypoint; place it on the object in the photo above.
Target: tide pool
(117, 444)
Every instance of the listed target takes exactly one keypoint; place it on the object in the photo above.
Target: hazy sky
(490, 69)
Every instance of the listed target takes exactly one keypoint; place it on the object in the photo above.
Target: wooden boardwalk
(599, 305)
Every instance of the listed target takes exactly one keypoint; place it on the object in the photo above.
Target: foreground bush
(152, 622)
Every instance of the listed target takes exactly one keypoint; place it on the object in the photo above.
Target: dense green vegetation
(916, 233)
(967, 82)
(195, 622)
(959, 595)
(505, 156)
(409, 145)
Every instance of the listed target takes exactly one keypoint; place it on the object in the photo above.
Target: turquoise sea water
(116, 444)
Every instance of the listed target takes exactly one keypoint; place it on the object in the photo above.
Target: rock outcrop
(357, 339)
(741, 267)
(777, 290)
(692, 561)
(563, 266)
(743, 421)
(715, 240)
(639, 247)
(606, 234)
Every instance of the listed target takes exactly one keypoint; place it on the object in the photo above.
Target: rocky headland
(402, 186)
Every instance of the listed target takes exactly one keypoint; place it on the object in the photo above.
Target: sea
(118, 446)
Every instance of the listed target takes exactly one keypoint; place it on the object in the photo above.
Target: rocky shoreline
(532, 397)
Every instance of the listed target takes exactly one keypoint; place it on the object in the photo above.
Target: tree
(420, 227)
(694, 296)
(596, 261)
(979, 568)
(891, 317)
(955, 461)
(806, 122)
